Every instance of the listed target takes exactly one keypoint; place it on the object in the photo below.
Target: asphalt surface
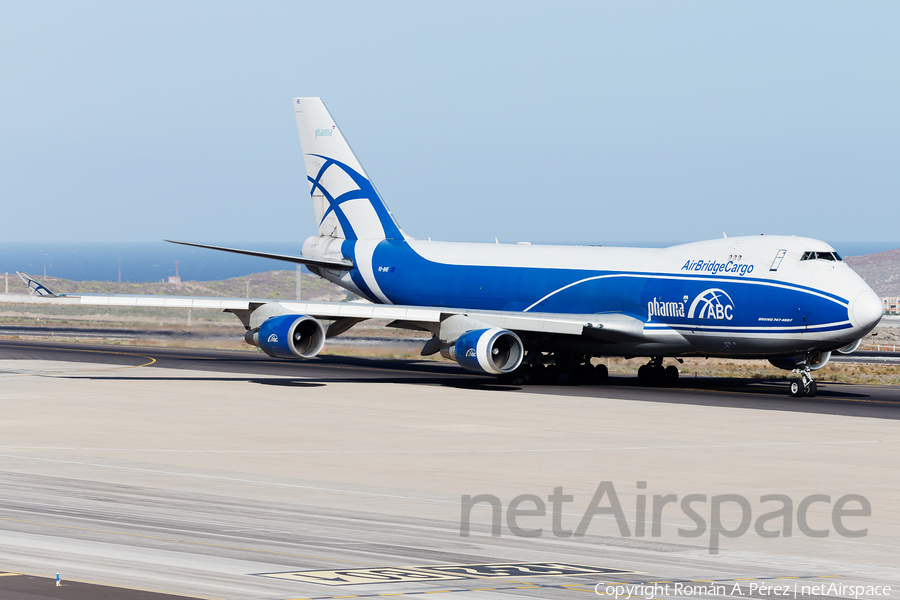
(15, 586)
(226, 474)
(831, 398)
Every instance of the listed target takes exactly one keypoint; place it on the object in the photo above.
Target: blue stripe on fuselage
(348, 249)
(405, 277)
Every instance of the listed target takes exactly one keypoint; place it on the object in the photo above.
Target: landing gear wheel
(671, 374)
(645, 374)
(538, 372)
(653, 373)
(805, 385)
(586, 373)
(601, 374)
(551, 375)
(575, 376)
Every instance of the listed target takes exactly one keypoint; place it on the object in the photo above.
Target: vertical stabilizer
(345, 202)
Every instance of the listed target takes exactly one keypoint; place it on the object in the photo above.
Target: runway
(868, 357)
(831, 398)
(214, 474)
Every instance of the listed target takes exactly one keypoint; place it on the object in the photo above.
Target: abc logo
(712, 304)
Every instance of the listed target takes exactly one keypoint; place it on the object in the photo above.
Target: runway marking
(572, 587)
(381, 575)
(46, 373)
(164, 539)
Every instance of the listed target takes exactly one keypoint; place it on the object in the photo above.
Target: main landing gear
(654, 373)
(551, 369)
(804, 386)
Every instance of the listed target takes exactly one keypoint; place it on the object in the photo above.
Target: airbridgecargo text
(715, 267)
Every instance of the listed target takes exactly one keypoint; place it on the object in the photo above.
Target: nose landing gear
(805, 385)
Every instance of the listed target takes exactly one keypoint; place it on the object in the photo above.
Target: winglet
(36, 288)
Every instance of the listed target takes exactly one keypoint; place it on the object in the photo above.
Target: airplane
(537, 313)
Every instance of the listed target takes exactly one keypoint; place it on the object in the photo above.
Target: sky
(594, 122)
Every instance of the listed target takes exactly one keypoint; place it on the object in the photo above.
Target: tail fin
(345, 201)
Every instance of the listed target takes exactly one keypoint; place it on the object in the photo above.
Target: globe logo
(713, 304)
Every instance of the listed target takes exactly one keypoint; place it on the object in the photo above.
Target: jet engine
(288, 336)
(849, 348)
(495, 351)
(815, 362)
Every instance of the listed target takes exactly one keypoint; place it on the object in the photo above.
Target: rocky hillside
(880, 270)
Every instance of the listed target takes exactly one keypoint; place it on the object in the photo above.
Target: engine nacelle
(288, 336)
(815, 362)
(849, 348)
(495, 351)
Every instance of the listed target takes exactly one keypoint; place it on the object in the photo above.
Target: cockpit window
(832, 256)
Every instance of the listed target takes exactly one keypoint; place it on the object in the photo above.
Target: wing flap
(162, 301)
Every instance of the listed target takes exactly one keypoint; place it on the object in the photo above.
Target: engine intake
(849, 348)
(495, 351)
(288, 336)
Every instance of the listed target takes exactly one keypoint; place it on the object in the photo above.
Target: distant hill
(880, 270)
(271, 284)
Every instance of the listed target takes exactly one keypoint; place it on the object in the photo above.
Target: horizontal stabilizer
(340, 264)
(36, 287)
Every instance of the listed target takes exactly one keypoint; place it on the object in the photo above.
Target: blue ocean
(155, 261)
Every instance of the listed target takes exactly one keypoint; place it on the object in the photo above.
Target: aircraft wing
(612, 327)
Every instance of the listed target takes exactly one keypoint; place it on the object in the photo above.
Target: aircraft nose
(866, 310)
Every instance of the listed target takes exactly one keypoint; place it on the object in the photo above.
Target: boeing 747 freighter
(534, 312)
